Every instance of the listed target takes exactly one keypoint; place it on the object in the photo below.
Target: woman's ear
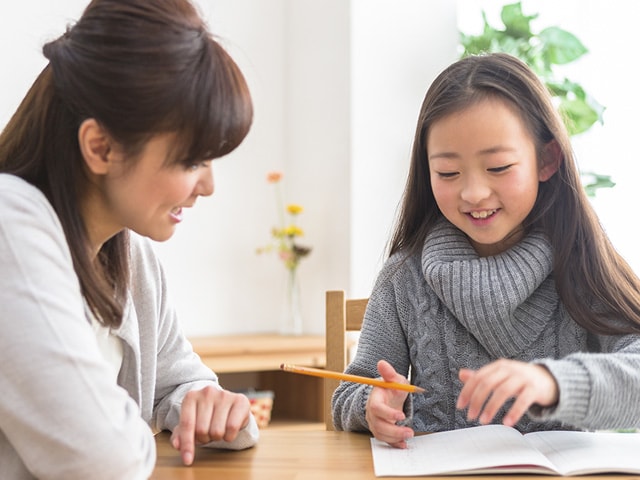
(95, 146)
(550, 161)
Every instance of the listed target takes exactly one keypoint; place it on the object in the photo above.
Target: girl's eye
(447, 174)
(499, 169)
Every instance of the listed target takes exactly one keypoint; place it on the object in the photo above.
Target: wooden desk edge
(294, 454)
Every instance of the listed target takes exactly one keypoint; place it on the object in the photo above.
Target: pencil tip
(282, 366)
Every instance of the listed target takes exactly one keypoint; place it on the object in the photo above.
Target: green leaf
(597, 107)
(561, 47)
(474, 45)
(514, 46)
(566, 88)
(517, 24)
(592, 181)
(579, 114)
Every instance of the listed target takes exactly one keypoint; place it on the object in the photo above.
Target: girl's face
(484, 173)
(145, 195)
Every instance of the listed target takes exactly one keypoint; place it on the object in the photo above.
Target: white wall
(295, 56)
(337, 87)
(398, 49)
(337, 93)
(24, 27)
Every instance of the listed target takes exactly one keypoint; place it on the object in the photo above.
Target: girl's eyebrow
(496, 149)
(444, 155)
(485, 151)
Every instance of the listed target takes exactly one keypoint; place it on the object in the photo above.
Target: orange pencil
(376, 382)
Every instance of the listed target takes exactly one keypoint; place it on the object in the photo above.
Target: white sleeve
(60, 411)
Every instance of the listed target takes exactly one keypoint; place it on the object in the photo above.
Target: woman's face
(146, 194)
(484, 173)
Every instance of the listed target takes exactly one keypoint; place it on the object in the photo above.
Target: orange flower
(274, 177)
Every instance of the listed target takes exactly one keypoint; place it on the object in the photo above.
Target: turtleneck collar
(505, 300)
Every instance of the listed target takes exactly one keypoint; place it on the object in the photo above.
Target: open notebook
(502, 449)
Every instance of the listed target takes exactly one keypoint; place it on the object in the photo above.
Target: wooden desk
(296, 455)
(279, 455)
(253, 361)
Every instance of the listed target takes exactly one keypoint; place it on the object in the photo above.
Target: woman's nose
(205, 186)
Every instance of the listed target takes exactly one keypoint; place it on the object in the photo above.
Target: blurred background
(337, 86)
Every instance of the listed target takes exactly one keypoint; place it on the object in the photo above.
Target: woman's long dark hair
(587, 269)
(140, 68)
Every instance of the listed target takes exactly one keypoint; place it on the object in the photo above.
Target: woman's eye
(192, 166)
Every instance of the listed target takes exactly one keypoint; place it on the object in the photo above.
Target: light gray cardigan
(60, 414)
(446, 309)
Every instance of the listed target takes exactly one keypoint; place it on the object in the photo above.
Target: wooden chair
(342, 315)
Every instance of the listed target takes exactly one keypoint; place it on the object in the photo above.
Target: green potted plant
(543, 51)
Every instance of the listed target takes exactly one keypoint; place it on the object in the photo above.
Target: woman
(113, 140)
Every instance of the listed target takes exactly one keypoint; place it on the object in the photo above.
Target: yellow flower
(293, 231)
(294, 209)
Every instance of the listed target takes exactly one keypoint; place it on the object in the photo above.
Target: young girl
(113, 141)
(502, 295)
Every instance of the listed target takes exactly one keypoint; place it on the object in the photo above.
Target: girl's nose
(475, 191)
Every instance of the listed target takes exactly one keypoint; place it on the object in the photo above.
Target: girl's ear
(95, 146)
(550, 161)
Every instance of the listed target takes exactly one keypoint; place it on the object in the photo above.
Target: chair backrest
(342, 315)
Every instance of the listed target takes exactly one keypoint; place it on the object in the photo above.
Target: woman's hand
(487, 389)
(208, 415)
(384, 409)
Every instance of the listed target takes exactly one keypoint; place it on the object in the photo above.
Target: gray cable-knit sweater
(430, 315)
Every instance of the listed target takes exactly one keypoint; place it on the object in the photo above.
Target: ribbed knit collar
(505, 300)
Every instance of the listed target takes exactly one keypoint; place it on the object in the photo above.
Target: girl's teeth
(483, 214)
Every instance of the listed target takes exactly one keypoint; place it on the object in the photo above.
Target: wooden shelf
(256, 353)
(253, 361)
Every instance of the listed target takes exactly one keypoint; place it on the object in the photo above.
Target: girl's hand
(487, 389)
(384, 409)
(208, 415)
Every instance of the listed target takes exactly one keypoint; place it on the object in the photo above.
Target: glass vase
(291, 320)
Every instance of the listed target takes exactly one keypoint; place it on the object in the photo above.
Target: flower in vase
(286, 234)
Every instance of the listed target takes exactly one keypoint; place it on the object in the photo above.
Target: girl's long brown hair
(140, 68)
(588, 270)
